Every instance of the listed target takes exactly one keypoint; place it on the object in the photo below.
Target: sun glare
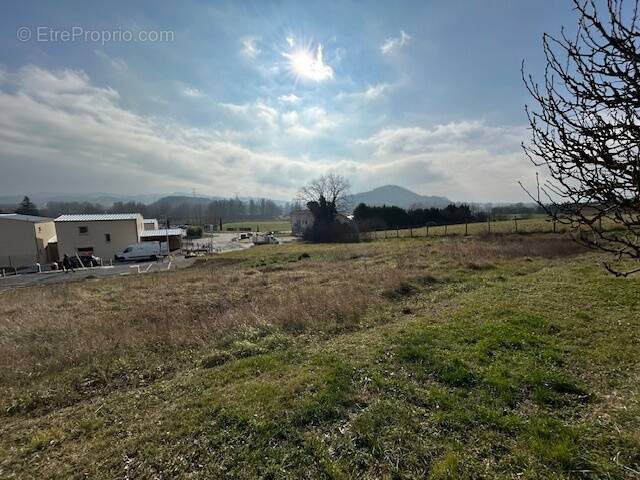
(309, 64)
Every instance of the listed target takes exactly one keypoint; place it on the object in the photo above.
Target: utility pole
(167, 236)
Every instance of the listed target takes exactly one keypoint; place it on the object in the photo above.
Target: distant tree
(194, 231)
(326, 198)
(324, 217)
(585, 128)
(54, 209)
(377, 217)
(129, 207)
(27, 207)
(332, 187)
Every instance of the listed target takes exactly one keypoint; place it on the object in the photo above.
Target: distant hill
(397, 196)
(108, 199)
(173, 200)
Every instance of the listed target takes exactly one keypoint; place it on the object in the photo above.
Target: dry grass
(416, 358)
(497, 246)
(45, 331)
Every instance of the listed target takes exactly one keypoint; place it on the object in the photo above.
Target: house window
(83, 230)
(107, 237)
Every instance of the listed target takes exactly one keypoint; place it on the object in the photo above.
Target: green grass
(260, 225)
(525, 368)
(537, 224)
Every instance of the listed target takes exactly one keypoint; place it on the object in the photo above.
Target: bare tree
(334, 188)
(586, 128)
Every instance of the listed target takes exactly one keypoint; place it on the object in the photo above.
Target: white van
(143, 251)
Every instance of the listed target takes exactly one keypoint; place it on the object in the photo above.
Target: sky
(258, 98)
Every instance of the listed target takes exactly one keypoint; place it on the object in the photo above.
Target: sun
(308, 64)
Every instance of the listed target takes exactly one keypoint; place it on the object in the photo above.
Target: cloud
(468, 160)
(371, 93)
(392, 44)
(309, 122)
(250, 48)
(60, 132)
(192, 92)
(117, 64)
(258, 112)
(375, 91)
(309, 65)
(291, 98)
(467, 135)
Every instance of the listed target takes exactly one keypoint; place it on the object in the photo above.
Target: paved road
(219, 242)
(225, 242)
(57, 276)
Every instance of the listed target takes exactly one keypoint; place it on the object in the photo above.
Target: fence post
(554, 225)
(397, 232)
(411, 232)
(489, 224)
(445, 229)
(515, 220)
(427, 230)
(466, 229)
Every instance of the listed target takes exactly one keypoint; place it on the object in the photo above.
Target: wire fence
(516, 225)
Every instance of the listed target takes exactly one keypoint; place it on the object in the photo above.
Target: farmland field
(501, 356)
(260, 225)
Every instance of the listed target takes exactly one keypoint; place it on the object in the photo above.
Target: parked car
(143, 251)
(90, 260)
(87, 261)
(266, 239)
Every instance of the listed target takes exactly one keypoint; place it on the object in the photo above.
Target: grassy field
(261, 225)
(442, 358)
(538, 224)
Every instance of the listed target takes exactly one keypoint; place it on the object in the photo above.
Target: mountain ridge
(384, 195)
(395, 195)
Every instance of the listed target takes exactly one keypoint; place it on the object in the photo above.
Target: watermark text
(47, 34)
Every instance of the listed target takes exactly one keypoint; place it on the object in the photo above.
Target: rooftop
(24, 218)
(98, 217)
(163, 232)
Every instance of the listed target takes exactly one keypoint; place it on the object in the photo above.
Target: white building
(301, 220)
(150, 224)
(26, 240)
(171, 235)
(102, 235)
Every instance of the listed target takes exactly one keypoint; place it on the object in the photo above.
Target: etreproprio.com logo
(80, 34)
